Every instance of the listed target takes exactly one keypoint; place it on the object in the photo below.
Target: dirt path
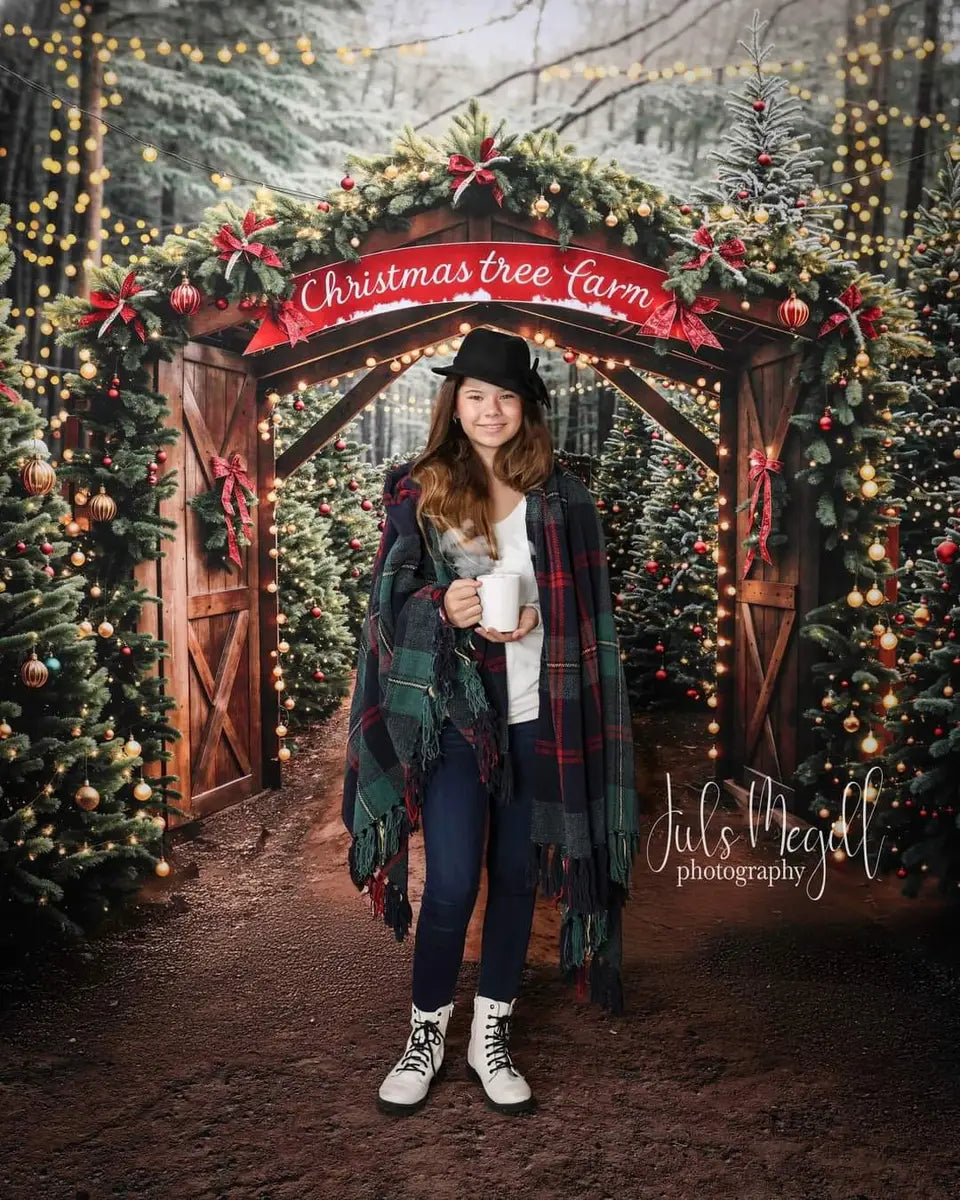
(230, 1043)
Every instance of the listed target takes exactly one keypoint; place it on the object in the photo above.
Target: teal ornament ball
(52, 664)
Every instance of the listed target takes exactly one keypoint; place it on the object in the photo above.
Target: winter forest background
(278, 94)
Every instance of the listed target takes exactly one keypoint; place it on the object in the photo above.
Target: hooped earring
(455, 418)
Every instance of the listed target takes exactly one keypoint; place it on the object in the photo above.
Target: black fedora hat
(500, 358)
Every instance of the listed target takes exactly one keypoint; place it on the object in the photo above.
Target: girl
(452, 722)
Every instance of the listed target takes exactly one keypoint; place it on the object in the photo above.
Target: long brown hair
(453, 479)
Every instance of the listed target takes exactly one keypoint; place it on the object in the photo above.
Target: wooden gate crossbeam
(220, 694)
(675, 423)
(334, 419)
(761, 708)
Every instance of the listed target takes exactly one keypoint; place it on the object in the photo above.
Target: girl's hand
(461, 602)
(529, 619)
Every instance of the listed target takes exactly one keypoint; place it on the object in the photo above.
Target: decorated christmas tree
(75, 837)
(670, 593)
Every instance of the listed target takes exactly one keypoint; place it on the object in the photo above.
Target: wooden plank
(214, 356)
(206, 447)
(268, 701)
(175, 668)
(769, 677)
(749, 635)
(413, 335)
(334, 419)
(767, 592)
(201, 665)
(662, 411)
(222, 690)
(213, 603)
(253, 560)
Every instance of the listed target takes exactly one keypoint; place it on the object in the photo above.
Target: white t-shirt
(523, 657)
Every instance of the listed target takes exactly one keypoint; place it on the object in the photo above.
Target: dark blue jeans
(454, 819)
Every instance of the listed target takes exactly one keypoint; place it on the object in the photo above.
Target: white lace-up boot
(488, 1057)
(406, 1086)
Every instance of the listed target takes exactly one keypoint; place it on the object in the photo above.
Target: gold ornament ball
(108, 735)
(761, 216)
(73, 528)
(85, 628)
(610, 220)
(34, 673)
(132, 748)
(281, 730)
(726, 212)
(284, 754)
(424, 176)
(876, 551)
(76, 731)
(867, 471)
(162, 868)
(554, 186)
(103, 507)
(869, 488)
(915, 657)
(80, 497)
(391, 171)
(88, 370)
(354, 241)
(921, 615)
(874, 596)
(5, 729)
(644, 209)
(289, 703)
(541, 205)
(96, 591)
(888, 640)
(948, 691)
(39, 478)
(827, 703)
(78, 558)
(855, 598)
(851, 723)
(142, 791)
(105, 629)
(862, 360)
(870, 745)
(87, 796)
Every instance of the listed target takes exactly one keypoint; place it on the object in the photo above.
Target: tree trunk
(923, 108)
(91, 142)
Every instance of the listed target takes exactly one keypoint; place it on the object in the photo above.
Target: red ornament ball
(700, 546)
(659, 647)
(185, 298)
(353, 485)
(355, 572)
(742, 195)
(319, 676)
(921, 248)
(161, 456)
(569, 356)
(651, 566)
(793, 312)
(661, 673)
(113, 393)
(826, 422)
(107, 460)
(323, 206)
(601, 503)
(316, 611)
(46, 547)
(759, 105)
(946, 552)
(697, 630)
(842, 381)
(692, 693)
(765, 159)
(686, 209)
(299, 405)
(347, 183)
(126, 651)
(366, 505)
(49, 571)
(222, 302)
(356, 544)
(324, 509)
(340, 444)
(21, 547)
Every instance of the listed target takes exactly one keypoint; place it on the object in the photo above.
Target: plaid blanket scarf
(414, 670)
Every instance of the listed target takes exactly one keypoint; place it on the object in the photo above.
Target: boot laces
(498, 1054)
(418, 1055)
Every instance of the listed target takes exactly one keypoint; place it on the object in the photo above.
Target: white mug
(500, 601)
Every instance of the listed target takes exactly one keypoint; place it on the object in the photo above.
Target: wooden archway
(222, 630)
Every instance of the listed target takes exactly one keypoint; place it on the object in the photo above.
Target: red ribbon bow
(732, 251)
(110, 305)
(759, 473)
(661, 321)
(291, 319)
(231, 246)
(851, 302)
(235, 477)
(11, 395)
(467, 171)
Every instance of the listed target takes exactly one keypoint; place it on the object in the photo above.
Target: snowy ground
(231, 1041)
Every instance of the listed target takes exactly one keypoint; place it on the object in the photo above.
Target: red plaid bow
(232, 247)
(759, 473)
(110, 305)
(11, 395)
(661, 320)
(235, 478)
(467, 171)
(291, 320)
(732, 251)
(851, 302)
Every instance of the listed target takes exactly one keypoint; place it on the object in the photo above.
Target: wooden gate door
(209, 614)
(770, 662)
